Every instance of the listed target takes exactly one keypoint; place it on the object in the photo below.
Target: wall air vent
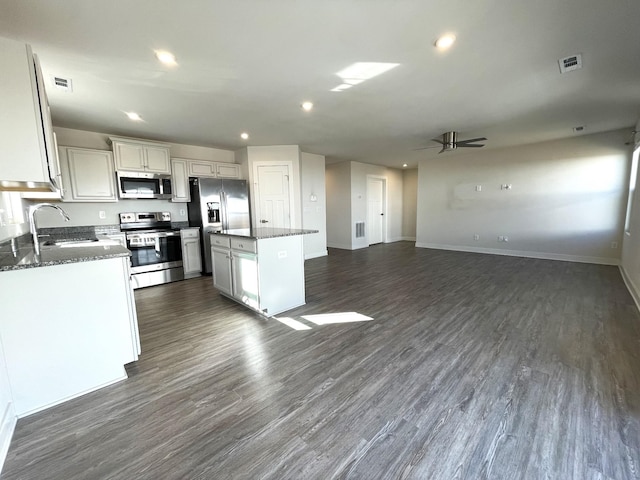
(62, 83)
(359, 229)
(567, 64)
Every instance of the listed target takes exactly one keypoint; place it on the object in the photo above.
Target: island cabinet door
(221, 263)
(245, 278)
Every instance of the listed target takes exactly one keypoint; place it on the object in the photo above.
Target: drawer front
(220, 241)
(244, 244)
(189, 233)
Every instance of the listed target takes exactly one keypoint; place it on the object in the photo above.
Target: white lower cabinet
(245, 278)
(191, 257)
(75, 339)
(222, 274)
(265, 274)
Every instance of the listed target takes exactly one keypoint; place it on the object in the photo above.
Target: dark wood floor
(475, 366)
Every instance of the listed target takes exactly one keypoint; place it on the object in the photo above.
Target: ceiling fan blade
(425, 148)
(472, 140)
(472, 145)
(437, 140)
(444, 149)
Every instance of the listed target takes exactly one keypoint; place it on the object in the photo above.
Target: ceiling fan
(449, 141)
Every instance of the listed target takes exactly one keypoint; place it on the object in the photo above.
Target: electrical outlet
(102, 214)
(614, 244)
(182, 212)
(500, 238)
(478, 188)
(476, 237)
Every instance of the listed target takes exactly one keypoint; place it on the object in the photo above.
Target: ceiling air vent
(62, 83)
(567, 64)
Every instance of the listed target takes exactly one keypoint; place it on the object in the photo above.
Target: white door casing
(274, 194)
(376, 211)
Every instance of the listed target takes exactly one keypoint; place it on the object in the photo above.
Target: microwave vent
(568, 64)
(61, 83)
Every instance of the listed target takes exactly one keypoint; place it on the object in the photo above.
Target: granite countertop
(265, 232)
(21, 254)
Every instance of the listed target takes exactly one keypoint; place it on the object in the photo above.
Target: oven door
(154, 251)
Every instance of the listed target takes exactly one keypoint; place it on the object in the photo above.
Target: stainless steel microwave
(144, 185)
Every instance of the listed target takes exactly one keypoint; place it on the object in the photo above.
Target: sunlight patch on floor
(290, 322)
(342, 317)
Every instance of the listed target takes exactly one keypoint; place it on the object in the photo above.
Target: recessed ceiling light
(404, 165)
(307, 106)
(134, 116)
(244, 136)
(165, 57)
(445, 41)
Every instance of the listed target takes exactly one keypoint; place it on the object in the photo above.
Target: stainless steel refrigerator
(217, 204)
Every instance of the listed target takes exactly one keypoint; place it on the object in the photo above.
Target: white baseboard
(71, 397)
(7, 427)
(397, 239)
(408, 239)
(521, 253)
(633, 289)
(342, 246)
(345, 247)
(308, 256)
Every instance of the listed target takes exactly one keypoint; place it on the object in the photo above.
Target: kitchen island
(261, 268)
(69, 322)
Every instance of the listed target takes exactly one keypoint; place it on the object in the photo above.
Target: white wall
(347, 187)
(84, 214)
(409, 203)
(13, 220)
(338, 184)
(314, 204)
(630, 263)
(567, 201)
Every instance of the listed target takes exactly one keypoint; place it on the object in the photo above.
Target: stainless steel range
(156, 252)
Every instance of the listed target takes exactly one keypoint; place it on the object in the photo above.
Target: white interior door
(274, 208)
(375, 210)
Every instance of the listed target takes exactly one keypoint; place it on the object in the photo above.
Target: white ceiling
(246, 65)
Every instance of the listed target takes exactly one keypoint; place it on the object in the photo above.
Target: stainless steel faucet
(32, 222)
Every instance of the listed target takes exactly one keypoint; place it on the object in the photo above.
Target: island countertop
(265, 232)
(57, 255)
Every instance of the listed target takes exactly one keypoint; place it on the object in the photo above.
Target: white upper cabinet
(227, 170)
(180, 180)
(204, 168)
(140, 156)
(28, 158)
(87, 175)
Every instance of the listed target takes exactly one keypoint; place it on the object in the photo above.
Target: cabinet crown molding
(138, 141)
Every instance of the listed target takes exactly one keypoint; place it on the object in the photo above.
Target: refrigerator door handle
(223, 211)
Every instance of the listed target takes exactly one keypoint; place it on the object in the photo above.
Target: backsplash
(13, 222)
